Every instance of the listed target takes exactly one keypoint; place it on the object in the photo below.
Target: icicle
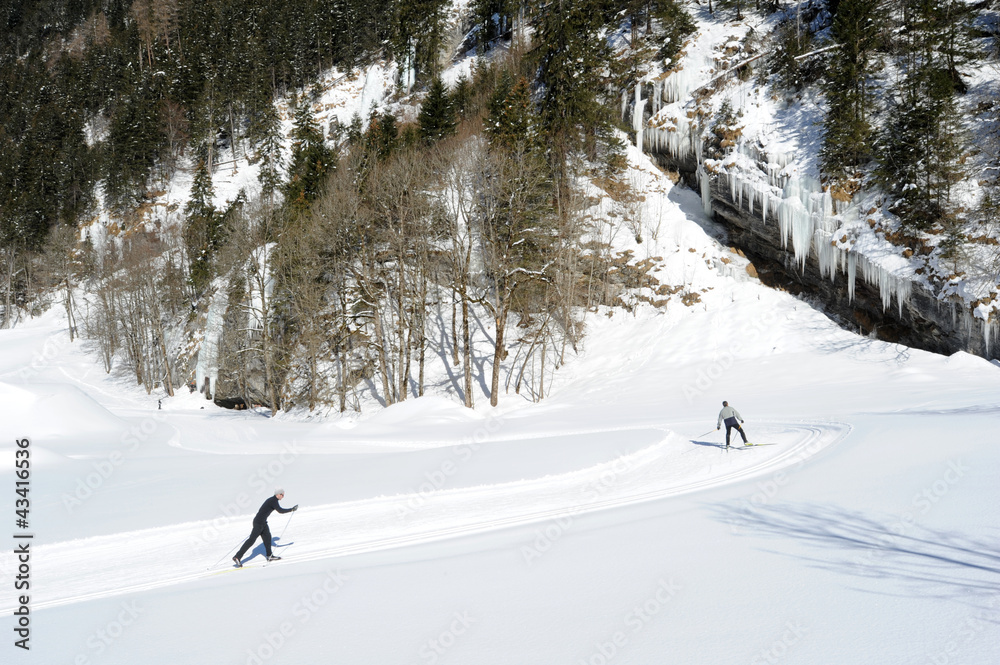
(637, 108)
(852, 273)
(208, 350)
(637, 115)
(679, 85)
(624, 103)
(678, 139)
(706, 190)
(826, 254)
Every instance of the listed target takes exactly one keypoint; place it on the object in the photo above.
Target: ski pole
(282, 532)
(222, 559)
(708, 432)
(286, 525)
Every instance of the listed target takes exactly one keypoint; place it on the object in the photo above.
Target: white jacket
(728, 412)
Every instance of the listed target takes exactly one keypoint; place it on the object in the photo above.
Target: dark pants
(258, 530)
(731, 424)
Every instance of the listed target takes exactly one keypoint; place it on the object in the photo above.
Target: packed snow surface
(604, 523)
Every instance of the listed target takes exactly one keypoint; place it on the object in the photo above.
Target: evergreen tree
(201, 226)
(381, 138)
(134, 143)
(573, 57)
(509, 124)
(920, 148)
(311, 159)
(436, 119)
(265, 134)
(846, 143)
(461, 96)
(492, 18)
(419, 36)
(675, 23)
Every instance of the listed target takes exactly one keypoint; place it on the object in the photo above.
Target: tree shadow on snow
(925, 562)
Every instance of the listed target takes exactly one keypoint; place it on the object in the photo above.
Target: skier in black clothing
(260, 527)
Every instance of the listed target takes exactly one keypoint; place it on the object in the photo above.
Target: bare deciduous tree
(517, 226)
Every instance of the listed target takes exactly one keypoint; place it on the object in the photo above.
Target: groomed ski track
(110, 565)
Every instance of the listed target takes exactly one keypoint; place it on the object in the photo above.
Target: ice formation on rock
(765, 180)
(682, 82)
(637, 113)
(208, 350)
(808, 220)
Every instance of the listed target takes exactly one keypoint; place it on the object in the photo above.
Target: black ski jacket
(267, 508)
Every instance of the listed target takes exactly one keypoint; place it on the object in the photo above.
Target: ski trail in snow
(86, 569)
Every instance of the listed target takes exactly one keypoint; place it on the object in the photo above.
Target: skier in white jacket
(730, 416)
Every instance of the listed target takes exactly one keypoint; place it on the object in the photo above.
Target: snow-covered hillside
(605, 523)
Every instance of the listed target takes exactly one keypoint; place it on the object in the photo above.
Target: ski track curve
(87, 569)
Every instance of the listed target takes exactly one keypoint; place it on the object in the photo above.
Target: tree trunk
(70, 319)
(466, 350)
(454, 328)
(498, 348)
(419, 324)
(383, 359)
(402, 336)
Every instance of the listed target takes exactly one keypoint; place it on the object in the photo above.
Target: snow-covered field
(602, 524)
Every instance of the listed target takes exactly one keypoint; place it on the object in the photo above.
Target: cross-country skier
(730, 416)
(260, 527)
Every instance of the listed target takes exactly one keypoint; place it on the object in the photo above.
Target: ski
(750, 445)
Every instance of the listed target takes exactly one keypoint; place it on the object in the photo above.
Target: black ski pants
(731, 424)
(259, 529)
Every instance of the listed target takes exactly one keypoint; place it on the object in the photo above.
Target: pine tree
(573, 56)
(461, 96)
(676, 24)
(419, 35)
(381, 138)
(492, 18)
(201, 226)
(847, 139)
(135, 140)
(920, 147)
(264, 133)
(437, 113)
(509, 124)
(311, 160)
